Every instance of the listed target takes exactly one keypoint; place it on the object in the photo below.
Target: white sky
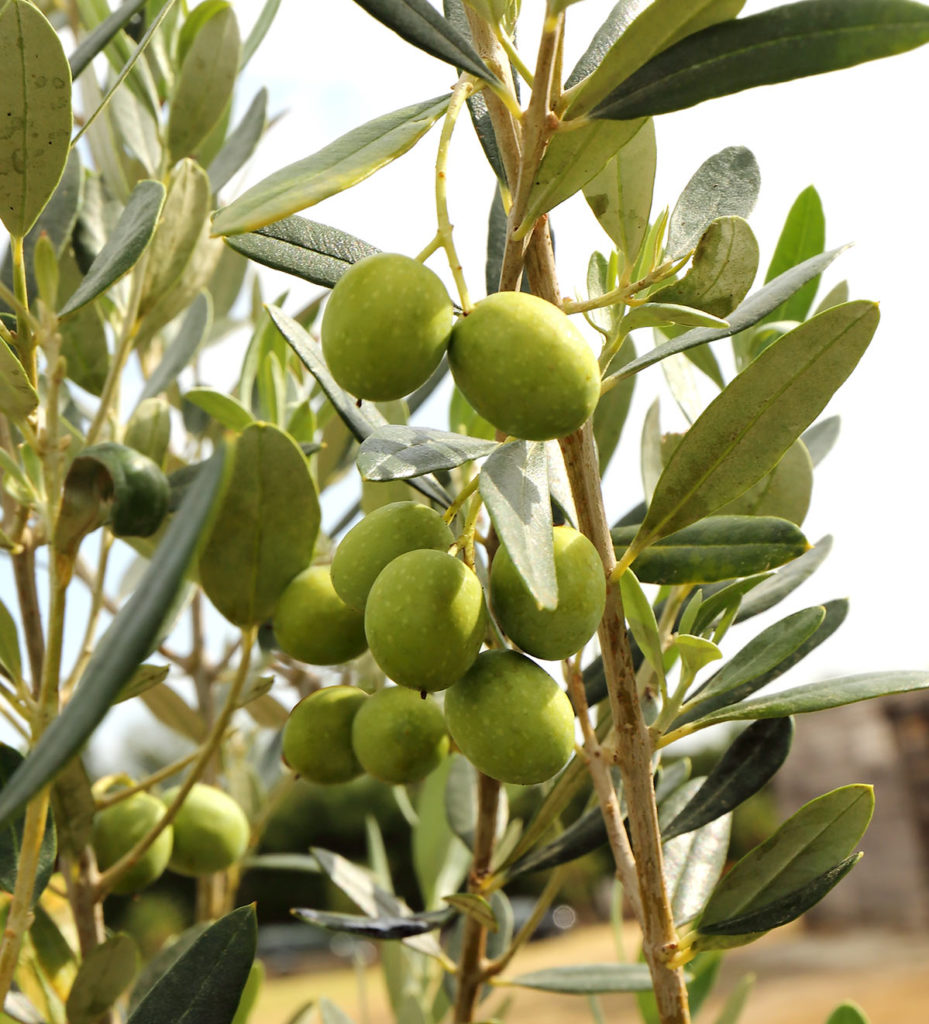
(857, 135)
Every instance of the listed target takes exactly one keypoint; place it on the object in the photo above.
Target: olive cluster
(395, 587)
(209, 833)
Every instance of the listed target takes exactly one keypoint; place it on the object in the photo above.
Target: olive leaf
(397, 452)
(11, 836)
(382, 927)
(803, 236)
(106, 971)
(343, 163)
(585, 979)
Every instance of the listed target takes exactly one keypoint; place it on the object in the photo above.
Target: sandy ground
(801, 977)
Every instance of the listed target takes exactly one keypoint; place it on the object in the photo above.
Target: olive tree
(487, 622)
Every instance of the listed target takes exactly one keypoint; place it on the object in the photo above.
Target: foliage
(126, 259)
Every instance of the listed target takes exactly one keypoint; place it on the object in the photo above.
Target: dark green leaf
(311, 251)
(803, 236)
(721, 598)
(753, 309)
(124, 645)
(752, 759)
(788, 42)
(360, 421)
(780, 911)
(205, 983)
(784, 581)
(35, 101)
(514, 486)
(265, 529)
(203, 89)
(724, 267)
(828, 693)
(128, 241)
(725, 185)
(820, 835)
(581, 837)
(716, 548)
(95, 42)
(194, 328)
(162, 962)
(765, 652)
(240, 143)
(11, 837)
(105, 973)
(744, 432)
(419, 23)
(383, 927)
(835, 616)
(821, 437)
(343, 163)
(584, 979)
(398, 452)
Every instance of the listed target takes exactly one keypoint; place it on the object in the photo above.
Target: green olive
(313, 624)
(211, 831)
(524, 366)
(386, 326)
(425, 619)
(378, 539)
(562, 631)
(117, 828)
(399, 736)
(317, 737)
(510, 719)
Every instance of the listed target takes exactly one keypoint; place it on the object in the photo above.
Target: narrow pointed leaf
(793, 41)
(748, 427)
(360, 421)
(828, 693)
(785, 581)
(766, 651)
(716, 548)
(122, 250)
(259, 30)
(383, 927)
(803, 236)
(616, 23)
(301, 247)
(399, 452)
(419, 23)
(820, 835)
(641, 618)
(780, 911)
(749, 763)
(336, 167)
(586, 979)
(514, 486)
(836, 612)
(95, 42)
(722, 599)
(35, 107)
(124, 646)
(612, 410)
(205, 983)
(223, 408)
(821, 438)
(9, 644)
(11, 836)
(746, 315)
(581, 837)
(725, 185)
(206, 79)
(240, 143)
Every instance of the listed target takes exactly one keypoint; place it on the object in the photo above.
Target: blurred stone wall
(885, 743)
